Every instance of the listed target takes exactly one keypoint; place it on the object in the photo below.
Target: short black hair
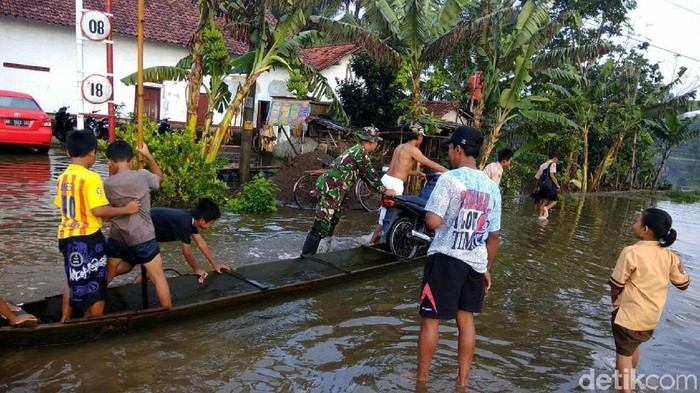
(505, 155)
(411, 136)
(554, 154)
(80, 143)
(206, 209)
(119, 151)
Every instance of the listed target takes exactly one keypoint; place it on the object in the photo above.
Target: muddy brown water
(545, 326)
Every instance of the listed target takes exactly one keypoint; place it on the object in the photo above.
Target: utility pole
(247, 137)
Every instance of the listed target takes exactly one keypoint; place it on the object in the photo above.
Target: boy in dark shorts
(82, 203)
(184, 225)
(133, 239)
(464, 209)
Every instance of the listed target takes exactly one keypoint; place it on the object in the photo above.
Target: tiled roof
(440, 108)
(171, 21)
(322, 57)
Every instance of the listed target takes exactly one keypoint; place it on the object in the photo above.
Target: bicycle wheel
(400, 242)
(305, 194)
(369, 199)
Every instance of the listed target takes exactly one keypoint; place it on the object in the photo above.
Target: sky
(673, 25)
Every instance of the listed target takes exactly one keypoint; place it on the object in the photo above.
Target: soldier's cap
(466, 136)
(370, 134)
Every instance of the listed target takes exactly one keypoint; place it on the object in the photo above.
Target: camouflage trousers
(327, 214)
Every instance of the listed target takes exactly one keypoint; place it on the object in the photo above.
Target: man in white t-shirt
(465, 212)
(494, 170)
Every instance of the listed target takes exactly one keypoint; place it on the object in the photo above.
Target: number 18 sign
(96, 89)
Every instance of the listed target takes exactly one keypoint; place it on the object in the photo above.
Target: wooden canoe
(124, 307)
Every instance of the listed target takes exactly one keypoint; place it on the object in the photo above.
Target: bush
(680, 196)
(186, 175)
(257, 197)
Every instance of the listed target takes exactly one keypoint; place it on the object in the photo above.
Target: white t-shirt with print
(470, 206)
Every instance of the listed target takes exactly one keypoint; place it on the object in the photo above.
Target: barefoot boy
(133, 238)
(82, 203)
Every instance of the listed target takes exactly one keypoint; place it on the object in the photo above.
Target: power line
(680, 6)
(652, 45)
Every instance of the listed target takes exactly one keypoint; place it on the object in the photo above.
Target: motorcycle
(63, 124)
(163, 126)
(404, 222)
(99, 127)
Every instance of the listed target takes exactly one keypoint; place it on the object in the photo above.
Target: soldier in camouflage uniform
(333, 185)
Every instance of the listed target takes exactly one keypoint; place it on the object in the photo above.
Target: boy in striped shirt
(82, 202)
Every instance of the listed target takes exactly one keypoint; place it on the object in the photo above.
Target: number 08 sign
(95, 25)
(96, 89)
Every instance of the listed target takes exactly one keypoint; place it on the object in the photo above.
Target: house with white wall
(38, 56)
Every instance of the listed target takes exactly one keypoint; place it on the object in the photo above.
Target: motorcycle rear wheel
(400, 242)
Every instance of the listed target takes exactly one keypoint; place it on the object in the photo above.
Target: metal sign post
(96, 89)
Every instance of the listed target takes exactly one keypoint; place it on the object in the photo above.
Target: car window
(19, 103)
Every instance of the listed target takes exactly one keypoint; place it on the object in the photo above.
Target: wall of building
(41, 44)
(54, 47)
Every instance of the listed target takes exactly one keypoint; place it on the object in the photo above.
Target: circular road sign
(96, 89)
(95, 25)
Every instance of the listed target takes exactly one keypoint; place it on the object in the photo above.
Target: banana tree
(398, 31)
(508, 43)
(215, 62)
(671, 132)
(269, 37)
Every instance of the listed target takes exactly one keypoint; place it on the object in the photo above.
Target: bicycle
(306, 196)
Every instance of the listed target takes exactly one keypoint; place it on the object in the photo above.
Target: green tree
(399, 31)
(373, 98)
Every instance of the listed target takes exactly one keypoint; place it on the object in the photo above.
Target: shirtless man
(404, 157)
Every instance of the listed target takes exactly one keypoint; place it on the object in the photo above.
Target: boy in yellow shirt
(82, 202)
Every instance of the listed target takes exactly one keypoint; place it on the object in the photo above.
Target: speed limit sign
(96, 89)
(95, 25)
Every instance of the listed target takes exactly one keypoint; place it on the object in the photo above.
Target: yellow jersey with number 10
(78, 191)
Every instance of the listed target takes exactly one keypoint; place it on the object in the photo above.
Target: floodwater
(545, 325)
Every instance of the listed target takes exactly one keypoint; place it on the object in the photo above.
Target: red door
(151, 102)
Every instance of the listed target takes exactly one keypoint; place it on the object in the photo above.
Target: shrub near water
(186, 175)
(257, 197)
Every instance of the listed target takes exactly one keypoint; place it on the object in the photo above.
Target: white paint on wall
(46, 45)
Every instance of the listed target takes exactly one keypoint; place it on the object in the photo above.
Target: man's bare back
(405, 155)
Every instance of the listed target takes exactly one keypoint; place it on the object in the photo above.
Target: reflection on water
(546, 320)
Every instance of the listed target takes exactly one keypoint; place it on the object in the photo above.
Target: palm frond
(414, 31)
(344, 32)
(561, 74)
(465, 33)
(449, 15)
(551, 58)
(384, 14)
(157, 74)
(563, 91)
(530, 19)
(549, 117)
(674, 105)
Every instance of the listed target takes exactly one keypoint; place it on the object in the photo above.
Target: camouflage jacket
(344, 171)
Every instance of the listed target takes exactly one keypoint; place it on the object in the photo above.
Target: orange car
(23, 122)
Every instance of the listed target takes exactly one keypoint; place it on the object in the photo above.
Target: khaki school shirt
(643, 270)
(494, 171)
